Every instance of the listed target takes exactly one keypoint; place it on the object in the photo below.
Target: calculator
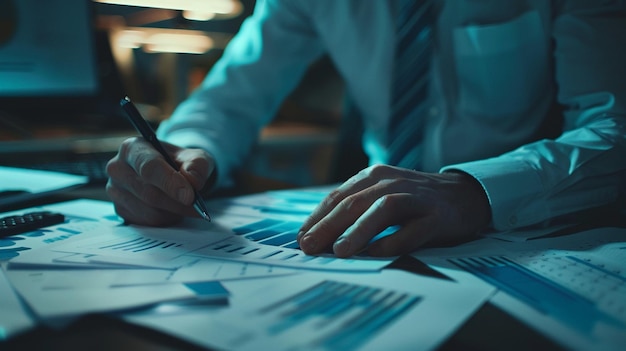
(18, 224)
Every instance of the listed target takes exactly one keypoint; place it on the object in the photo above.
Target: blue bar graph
(283, 233)
(140, 244)
(356, 313)
(543, 294)
(271, 232)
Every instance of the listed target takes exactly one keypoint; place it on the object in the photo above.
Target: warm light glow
(198, 16)
(131, 39)
(223, 8)
(165, 40)
(182, 43)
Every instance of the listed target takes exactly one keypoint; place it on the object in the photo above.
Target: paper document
(24, 184)
(164, 248)
(388, 310)
(14, 318)
(36, 181)
(80, 216)
(282, 204)
(61, 303)
(177, 247)
(571, 288)
(202, 270)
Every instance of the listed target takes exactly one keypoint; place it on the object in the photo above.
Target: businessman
(477, 115)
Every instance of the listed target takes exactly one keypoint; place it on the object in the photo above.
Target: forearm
(583, 168)
(245, 88)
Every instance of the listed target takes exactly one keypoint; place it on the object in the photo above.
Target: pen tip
(206, 217)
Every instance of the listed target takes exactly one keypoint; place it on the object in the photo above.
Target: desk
(489, 329)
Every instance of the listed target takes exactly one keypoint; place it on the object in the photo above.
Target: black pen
(148, 133)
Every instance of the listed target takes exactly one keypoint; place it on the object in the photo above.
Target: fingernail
(342, 246)
(308, 243)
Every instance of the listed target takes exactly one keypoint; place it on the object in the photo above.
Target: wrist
(473, 201)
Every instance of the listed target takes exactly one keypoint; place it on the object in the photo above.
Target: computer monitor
(51, 61)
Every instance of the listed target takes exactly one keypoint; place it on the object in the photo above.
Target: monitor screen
(47, 48)
(49, 63)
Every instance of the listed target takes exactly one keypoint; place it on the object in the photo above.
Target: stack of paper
(390, 309)
(571, 288)
(56, 284)
(94, 263)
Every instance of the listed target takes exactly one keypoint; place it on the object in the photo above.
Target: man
(524, 119)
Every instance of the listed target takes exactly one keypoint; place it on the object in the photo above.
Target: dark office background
(298, 149)
(307, 124)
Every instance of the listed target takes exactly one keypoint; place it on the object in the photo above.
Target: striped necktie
(410, 83)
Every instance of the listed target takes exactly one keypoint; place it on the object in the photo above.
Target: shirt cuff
(510, 185)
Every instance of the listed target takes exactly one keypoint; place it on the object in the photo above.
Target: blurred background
(59, 105)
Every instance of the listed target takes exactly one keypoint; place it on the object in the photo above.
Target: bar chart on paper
(273, 240)
(329, 315)
(175, 248)
(578, 291)
(101, 213)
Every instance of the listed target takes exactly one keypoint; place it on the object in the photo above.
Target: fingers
(377, 218)
(377, 198)
(361, 181)
(323, 233)
(411, 236)
(138, 202)
(334, 215)
(196, 166)
(135, 211)
(147, 190)
(328, 204)
(357, 217)
(389, 210)
(153, 170)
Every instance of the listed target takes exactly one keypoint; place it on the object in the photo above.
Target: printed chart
(561, 298)
(326, 315)
(344, 315)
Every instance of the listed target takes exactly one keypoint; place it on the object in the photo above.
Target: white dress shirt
(506, 75)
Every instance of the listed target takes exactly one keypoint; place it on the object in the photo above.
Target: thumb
(196, 166)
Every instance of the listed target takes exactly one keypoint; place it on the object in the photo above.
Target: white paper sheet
(34, 183)
(14, 318)
(570, 288)
(209, 269)
(176, 247)
(141, 246)
(202, 270)
(80, 216)
(434, 309)
(107, 245)
(61, 303)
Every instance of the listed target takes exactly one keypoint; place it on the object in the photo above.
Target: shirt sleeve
(242, 92)
(586, 166)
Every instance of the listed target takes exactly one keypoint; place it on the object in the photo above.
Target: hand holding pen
(148, 134)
